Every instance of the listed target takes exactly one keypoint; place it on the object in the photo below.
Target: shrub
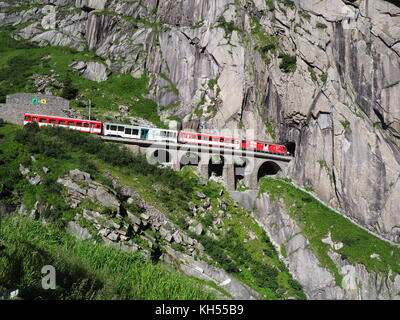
(69, 92)
(288, 63)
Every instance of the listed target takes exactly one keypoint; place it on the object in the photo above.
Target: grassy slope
(317, 221)
(84, 270)
(19, 60)
(257, 259)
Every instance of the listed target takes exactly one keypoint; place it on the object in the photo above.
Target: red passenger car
(208, 140)
(68, 123)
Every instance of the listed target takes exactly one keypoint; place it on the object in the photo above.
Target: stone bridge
(231, 165)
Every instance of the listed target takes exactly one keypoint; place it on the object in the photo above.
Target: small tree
(69, 92)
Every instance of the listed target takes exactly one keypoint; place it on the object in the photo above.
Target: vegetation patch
(288, 63)
(317, 221)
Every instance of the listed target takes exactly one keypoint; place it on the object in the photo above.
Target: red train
(155, 134)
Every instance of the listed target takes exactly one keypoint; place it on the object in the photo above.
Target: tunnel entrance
(268, 168)
(160, 156)
(291, 147)
(216, 166)
(189, 159)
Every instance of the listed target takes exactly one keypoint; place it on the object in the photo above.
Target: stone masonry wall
(18, 104)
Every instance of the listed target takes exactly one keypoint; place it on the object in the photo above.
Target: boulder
(35, 180)
(106, 198)
(95, 71)
(78, 231)
(78, 175)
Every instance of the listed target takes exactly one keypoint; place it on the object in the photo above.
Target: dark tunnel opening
(291, 147)
(216, 166)
(268, 168)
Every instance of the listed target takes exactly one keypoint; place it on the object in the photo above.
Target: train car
(121, 130)
(279, 149)
(88, 126)
(137, 132)
(156, 134)
(208, 140)
(259, 146)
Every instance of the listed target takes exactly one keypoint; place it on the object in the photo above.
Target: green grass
(317, 221)
(20, 60)
(84, 270)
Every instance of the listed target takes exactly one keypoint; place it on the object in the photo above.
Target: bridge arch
(240, 166)
(160, 156)
(189, 159)
(216, 165)
(268, 168)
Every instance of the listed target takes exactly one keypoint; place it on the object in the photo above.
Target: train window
(86, 125)
(108, 127)
(70, 123)
(79, 124)
(27, 117)
(114, 128)
(34, 119)
(120, 128)
(135, 132)
(97, 126)
(128, 131)
(61, 122)
(53, 121)
(42, 120)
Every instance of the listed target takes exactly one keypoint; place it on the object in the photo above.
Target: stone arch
(160, 156)
(240, 165)
(216, 165)
(189, 159)
(268, 168)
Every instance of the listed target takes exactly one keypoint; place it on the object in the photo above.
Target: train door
(91, 127)
(144, 134)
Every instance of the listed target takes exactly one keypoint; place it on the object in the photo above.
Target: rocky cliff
(322, 75)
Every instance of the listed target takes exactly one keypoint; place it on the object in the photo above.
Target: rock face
(204, 271)
(222, 64)
(318, 282)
